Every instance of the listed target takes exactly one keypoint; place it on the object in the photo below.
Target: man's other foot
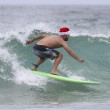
(34, 68)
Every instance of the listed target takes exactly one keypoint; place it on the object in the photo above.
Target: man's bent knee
(60, 55)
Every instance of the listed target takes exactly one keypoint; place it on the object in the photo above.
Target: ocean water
(90, 39)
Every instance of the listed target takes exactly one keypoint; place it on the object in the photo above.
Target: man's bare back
(51, 41)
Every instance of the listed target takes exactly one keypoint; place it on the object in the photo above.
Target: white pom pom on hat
(64, 31)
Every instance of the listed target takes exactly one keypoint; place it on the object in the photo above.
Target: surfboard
(63, 78)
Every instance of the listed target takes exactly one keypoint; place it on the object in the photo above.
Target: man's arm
(71, 53)
(36, 38)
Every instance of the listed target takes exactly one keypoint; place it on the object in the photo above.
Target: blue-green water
(90, 39)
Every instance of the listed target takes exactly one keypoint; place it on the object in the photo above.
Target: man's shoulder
(44, 35)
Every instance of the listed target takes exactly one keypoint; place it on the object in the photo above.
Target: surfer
(45, 48)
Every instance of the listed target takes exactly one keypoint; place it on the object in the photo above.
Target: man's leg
(41, 60)
(56, 63)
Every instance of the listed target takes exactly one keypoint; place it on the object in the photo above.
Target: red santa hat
(64, 31)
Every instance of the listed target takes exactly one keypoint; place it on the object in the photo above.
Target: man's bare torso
(55, 42)
(51, 41)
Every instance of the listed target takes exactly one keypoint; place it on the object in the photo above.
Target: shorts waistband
(40, 47)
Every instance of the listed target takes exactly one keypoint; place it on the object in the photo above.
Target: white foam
(22, 34)
(104, 40)
(20, 74)
(87, 33)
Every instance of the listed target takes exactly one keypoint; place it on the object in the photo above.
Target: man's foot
(34, 68)
(55, 73)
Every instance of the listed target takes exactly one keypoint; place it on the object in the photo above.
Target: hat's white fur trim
(64, 33)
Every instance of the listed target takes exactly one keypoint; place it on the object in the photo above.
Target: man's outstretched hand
(29, 42)
(81, 60)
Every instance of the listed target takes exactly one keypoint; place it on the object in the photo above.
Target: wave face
(90, 39)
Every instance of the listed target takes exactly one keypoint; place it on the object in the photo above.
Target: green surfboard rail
(62, 78)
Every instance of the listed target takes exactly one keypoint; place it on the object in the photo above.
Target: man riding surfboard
(45, 48)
